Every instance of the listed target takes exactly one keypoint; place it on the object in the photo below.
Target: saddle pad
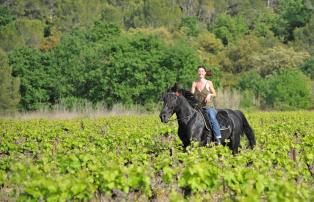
(223, 120)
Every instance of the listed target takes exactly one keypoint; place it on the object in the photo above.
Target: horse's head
(170, 102)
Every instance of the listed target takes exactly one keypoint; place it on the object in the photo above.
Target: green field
(137, 158)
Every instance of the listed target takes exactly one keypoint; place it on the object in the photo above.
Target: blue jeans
(211, 112)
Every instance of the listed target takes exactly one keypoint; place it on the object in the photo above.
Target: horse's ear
(169, 89)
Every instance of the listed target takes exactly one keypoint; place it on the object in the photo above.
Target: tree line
(129, 52)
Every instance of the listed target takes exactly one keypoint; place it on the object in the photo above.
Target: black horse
(192, 125)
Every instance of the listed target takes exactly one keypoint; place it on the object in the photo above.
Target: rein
(180, 118)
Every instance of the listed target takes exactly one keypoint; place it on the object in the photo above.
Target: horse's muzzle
(164, 118)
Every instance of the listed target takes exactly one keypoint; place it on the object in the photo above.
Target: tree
(21, 32)
(9, 86)
(5, 17)
(262, 21)
(112, 14)
(191, 26)
(278, 58)
(31, 9)
(161, 13)
(288, 89)
(237, 57)
(252, 81)
(30, 66)
(228, 28)
(304, 37)
(283, 89)
(308, 67)
(208, 47)
(292, 14)
(209, 43)
(72, 13)
(202, 10)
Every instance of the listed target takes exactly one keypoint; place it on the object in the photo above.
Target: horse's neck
(183, 110)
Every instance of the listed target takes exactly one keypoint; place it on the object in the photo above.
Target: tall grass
(228, 98)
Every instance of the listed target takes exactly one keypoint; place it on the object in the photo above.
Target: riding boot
(218, 141)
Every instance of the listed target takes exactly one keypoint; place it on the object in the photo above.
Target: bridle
(180, 119)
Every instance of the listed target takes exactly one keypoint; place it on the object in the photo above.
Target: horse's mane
(186, 94)
(189, 97)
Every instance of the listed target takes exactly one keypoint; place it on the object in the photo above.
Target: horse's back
(233, 117)
(230, 113)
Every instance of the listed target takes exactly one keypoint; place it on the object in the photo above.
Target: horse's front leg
(207, 137)
(184, 136)
(196, 133)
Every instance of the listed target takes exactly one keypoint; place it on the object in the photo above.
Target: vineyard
(137, 158)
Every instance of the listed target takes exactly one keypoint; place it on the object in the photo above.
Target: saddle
(223, 120)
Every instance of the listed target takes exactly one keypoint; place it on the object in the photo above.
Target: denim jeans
(213, 120)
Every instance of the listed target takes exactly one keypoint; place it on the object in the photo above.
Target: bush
(308, 67)
(99, 64)
(228, 28)
(283, 90)
(288, 89)
(9, 86)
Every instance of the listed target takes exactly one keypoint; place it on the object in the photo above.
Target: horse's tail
(248, 130)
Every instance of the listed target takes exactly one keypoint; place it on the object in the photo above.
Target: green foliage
(278, 58)
(207, 42)
(208, 47)
(5, 17)
(263, 22)
(128, 158)
(9, 86)
(161, 13)
(308, 67)
(184, 60)
(252, 80)
(88, 48)
(32, 9)
(153, 65)
(288, 89)
(73, 13)
(112, 14)
(292, 14)
(198, 178)
(30, 65)
(238, 56)
(247, 99)
(190, 26)
(284, 90)
(304, 36)
(102, 31)
(228, 28)
(21, 32)
(9, 37)
(100, 58)
(250, 10)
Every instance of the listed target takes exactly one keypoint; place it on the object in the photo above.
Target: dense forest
(129, 51)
